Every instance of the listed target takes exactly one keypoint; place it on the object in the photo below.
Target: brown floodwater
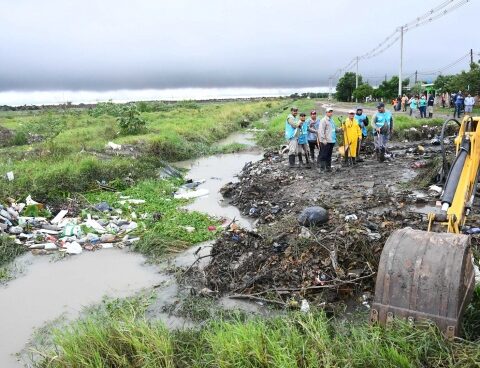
(50, 289)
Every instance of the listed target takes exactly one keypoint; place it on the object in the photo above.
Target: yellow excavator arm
(426, 275)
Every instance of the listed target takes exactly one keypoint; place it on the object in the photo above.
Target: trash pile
(27, 223)
(317, 237)
(334, 259)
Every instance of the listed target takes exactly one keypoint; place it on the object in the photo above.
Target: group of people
(425, 103)
(422, 103)
(304, 136)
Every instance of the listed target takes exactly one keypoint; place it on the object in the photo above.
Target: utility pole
(329, 88)
(385, 77)
(401, 63)
(416, 75)
(356, 79)
(471, 56)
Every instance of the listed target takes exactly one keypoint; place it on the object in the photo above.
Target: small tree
(346, 86)
(363, 91)
(130, 121)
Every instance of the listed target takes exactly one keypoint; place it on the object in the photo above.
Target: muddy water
(217, 171)
(51, 289)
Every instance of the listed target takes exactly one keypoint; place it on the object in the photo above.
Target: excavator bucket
(424, 276)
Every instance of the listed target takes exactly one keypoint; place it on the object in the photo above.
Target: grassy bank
(118, 335)
(66, 153)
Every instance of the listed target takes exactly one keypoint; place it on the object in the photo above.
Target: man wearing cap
(312, 137)
(291, 135)
(382, 129)
(362, 121)
(351, 137)
(302, 147)
(327, 138)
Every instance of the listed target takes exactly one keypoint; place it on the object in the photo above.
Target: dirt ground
(282, 262)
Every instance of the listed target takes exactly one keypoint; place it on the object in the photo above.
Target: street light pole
(401, 63)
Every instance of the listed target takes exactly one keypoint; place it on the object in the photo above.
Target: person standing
(430, 103)
(459, 99)
(422, 104)
(443, 100)
(382, 123)
(327, 138)
(352, 135)
(413, 105)
(291, 135)
(302, 140)
(362, 121)
(469, 102)
(404, 103)
(313, 124)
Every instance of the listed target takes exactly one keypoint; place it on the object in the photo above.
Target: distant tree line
(388, 89)
(309, 95)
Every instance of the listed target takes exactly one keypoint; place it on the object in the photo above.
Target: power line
(433, 14)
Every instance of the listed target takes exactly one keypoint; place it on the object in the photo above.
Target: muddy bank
(282, 262)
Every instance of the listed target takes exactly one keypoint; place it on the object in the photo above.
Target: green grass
(118, 335)
(68, 160)
(161, 222)
(8, 252)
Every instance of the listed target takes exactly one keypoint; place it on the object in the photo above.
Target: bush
(130, 121)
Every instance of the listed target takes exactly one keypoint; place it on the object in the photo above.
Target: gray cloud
(74, 45)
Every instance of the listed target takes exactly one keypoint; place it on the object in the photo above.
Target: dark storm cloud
(107, 45)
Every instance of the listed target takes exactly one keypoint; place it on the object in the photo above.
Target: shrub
(130, 121)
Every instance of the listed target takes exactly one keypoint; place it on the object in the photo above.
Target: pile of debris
(286, 257)
(24, 222)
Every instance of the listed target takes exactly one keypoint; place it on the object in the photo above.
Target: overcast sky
(107, 45)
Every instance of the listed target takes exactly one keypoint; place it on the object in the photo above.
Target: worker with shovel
(382, 129)
(352, 135)
(362, 121)
(292, 132)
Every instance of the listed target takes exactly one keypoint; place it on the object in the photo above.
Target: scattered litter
(102, 207)
(212, 228)
(473, 230)
(59, 217)
(189, 229)
(73, 248)
(10, 176)
(183, 193)
(435, 189)
(305, 307)
(114, 146)
(351, 217)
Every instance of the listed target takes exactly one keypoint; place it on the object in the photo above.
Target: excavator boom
(425, 275)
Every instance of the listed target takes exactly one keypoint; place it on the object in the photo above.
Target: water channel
(47, 289)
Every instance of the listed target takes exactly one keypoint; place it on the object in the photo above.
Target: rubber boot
(291, 161)
(382, 154)
(300, 159)
(323, 166)
(328, 167)
(309, 166)
(430, 115)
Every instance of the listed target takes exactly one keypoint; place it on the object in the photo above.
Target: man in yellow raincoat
(352, 135)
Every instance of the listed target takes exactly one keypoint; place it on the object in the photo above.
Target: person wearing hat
(327, 138)
(382, 129)
(362, 121)
(302, 140)
(312, 137)
(351, 137)
(291, 135)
